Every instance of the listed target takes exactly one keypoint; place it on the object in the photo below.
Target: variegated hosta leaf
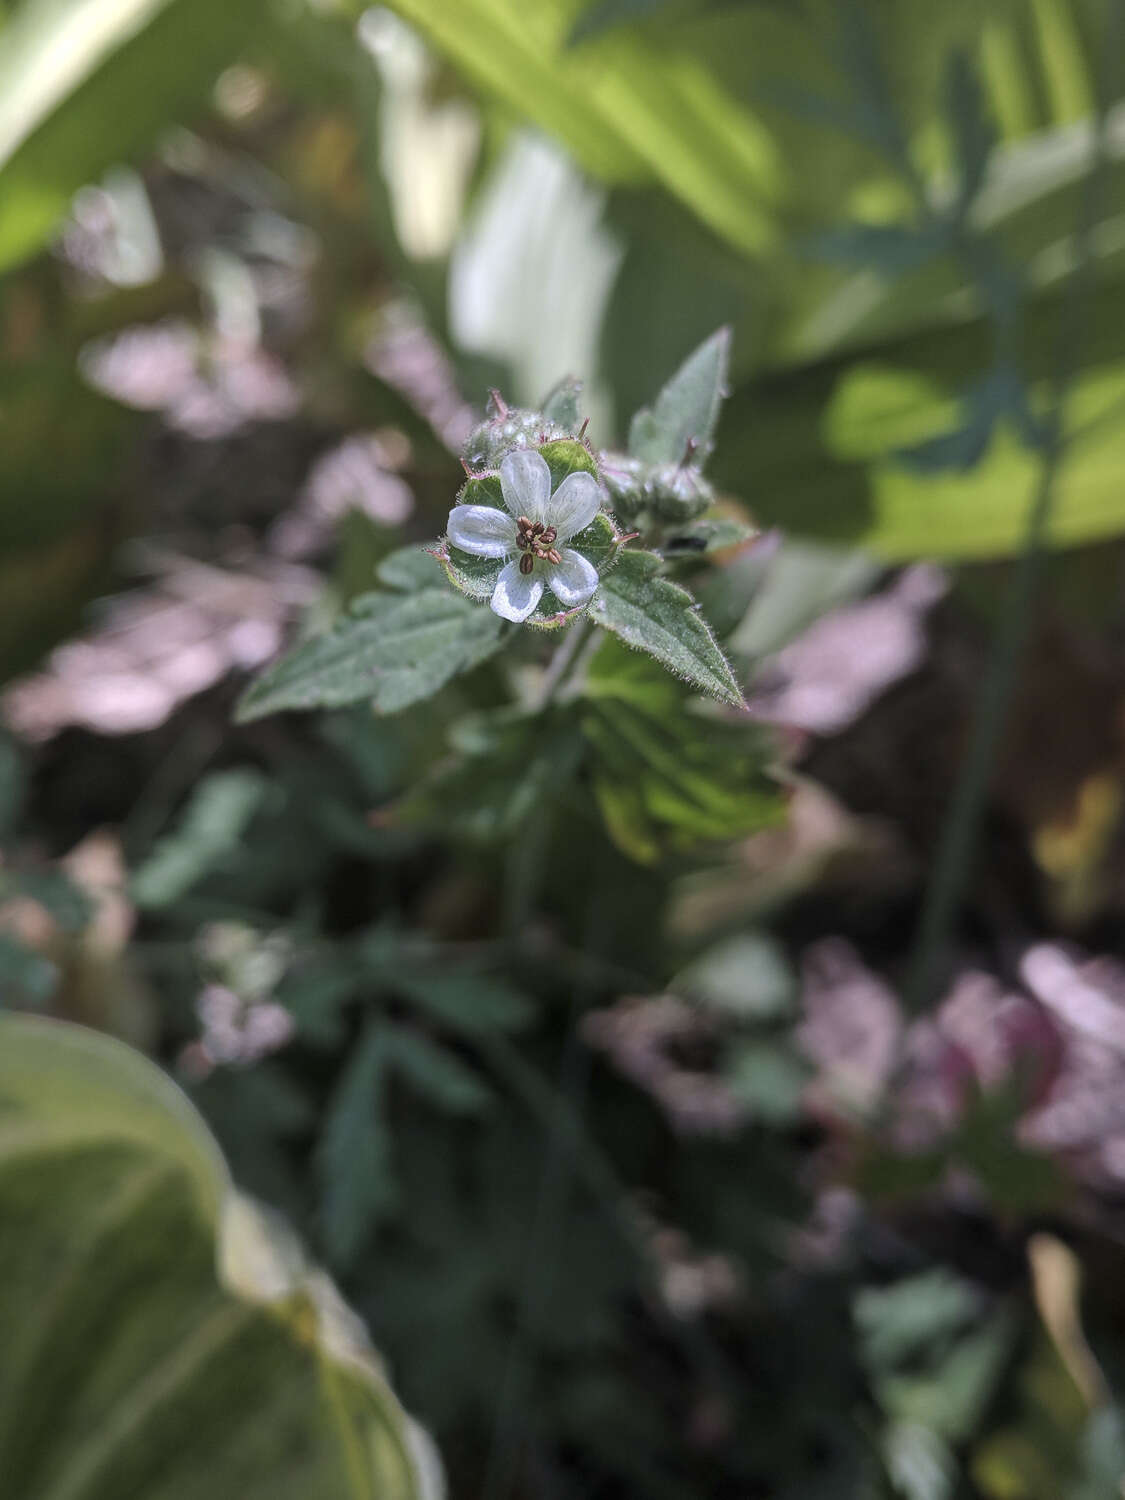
(162, 1335)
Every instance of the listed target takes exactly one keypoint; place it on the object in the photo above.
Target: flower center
(535, 541)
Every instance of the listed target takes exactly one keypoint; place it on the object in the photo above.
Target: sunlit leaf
(85, 83)
(162, 1335)
(627, 107)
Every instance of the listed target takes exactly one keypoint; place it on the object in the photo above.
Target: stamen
(527, 562)
(553, 556)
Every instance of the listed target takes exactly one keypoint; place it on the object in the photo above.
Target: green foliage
(157, 1324)
(668, 779)
(88, 82)
(680, 427)
(210, 829)
(389, 650)
(623, 106)
(650, 613)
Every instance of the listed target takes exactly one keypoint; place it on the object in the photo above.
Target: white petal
(516, 594)
(482, 530)
(574, 579)
(574, 505)
(526, 482)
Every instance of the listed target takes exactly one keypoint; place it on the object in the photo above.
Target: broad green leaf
(983, 511)
(629, 107)
(162, 1335)
(668, 780)
(652, 614)
(85, 83)
(211, 827)
(391, 650)
(681, 424)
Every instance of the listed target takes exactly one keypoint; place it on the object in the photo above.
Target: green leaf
(652, 614)
(708, 535)
(509, 765)
(437, 1073)
(211, 827)
(562, 404)
(409, 569)
(875, 411)
(680, 426)
(26, 977)
(162, 1335)
(11, 786)
(468, 1003)
(627, 107)
(86, 83)
(391, 650)
(668, 780)
(354, 1155)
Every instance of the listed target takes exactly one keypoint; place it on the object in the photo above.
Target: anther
(553, 556)
(527, 562)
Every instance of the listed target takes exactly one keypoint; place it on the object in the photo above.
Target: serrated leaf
(668, 780)
(652, 614)
(681, 424)
(393, 650)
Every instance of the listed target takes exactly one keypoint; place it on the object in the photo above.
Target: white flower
(532, 536)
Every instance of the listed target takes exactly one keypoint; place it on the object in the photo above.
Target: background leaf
(122, 1348)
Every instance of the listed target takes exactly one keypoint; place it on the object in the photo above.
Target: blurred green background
(683, 1103)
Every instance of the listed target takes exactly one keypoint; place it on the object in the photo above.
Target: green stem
(561, 661)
